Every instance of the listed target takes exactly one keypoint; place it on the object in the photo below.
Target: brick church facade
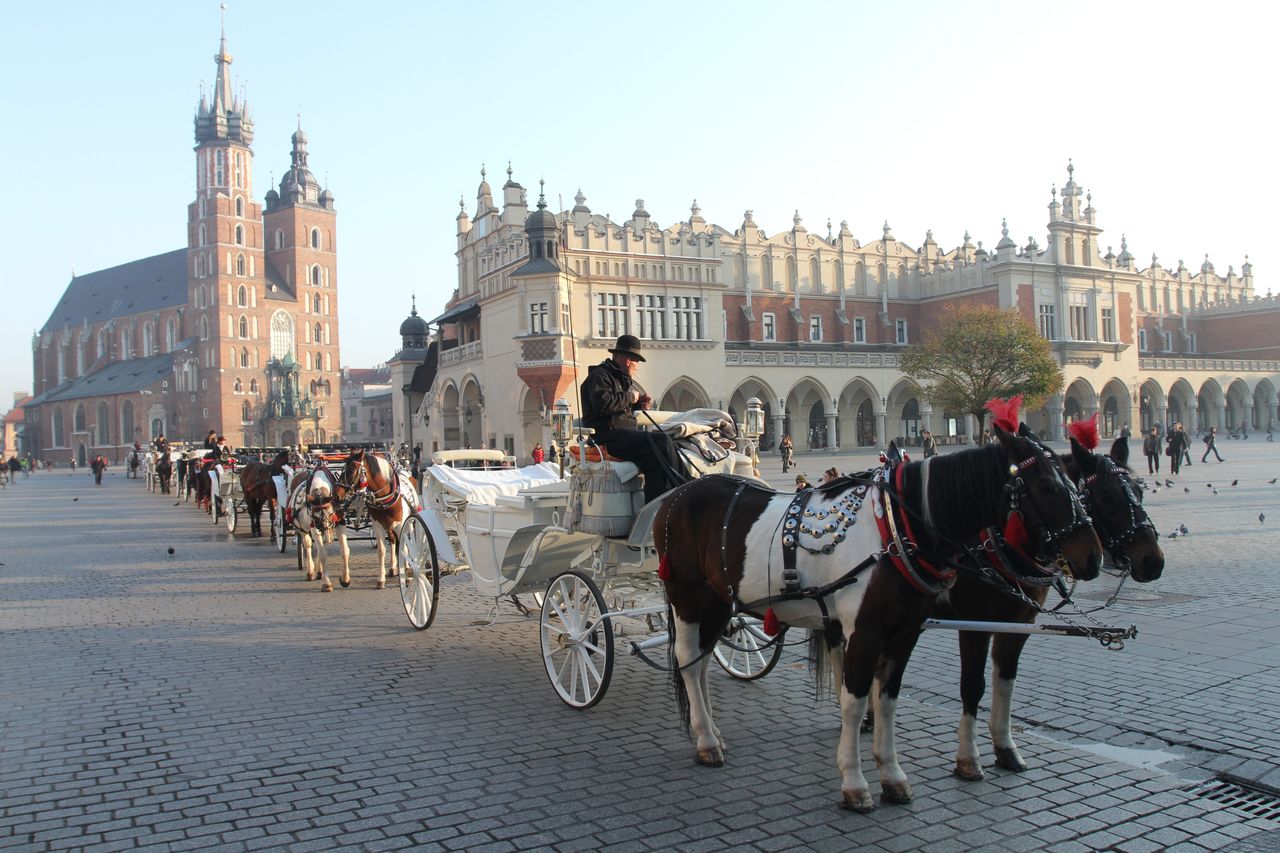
(236, 333)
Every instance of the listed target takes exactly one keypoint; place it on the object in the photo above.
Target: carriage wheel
(419, 573)
(745, 651)
(577, 640)
(278, 532)
(215, 509)
(233, 515)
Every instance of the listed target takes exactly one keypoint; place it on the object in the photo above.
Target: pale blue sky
(930, 115)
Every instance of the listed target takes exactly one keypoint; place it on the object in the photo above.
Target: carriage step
(1240, 795)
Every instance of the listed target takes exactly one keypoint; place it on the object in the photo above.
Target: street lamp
(753, 429)
(560, 418)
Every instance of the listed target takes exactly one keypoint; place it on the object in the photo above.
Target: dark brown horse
(725, 543)
(1115, 505)
(259, 488)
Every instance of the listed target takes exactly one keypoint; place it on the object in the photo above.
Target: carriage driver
(610, 398)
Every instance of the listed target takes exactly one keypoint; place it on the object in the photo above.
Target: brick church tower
(262, 293)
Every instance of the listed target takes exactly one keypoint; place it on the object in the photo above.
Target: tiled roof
(118, 377)
(144, 285)
(16, 415)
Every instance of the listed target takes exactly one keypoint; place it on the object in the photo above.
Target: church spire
(222, 88)
(226, 117)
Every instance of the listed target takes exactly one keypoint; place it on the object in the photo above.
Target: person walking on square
(1176, 441)
(1151, 449)
(928, 445)
(99, 464)
(1211, 445)
(785, 448)
(538, 454)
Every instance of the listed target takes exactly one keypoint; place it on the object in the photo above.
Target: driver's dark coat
(606, 399)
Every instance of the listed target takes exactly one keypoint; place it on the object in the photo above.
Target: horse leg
(341, 533)
(1005, 651)
(854, 688)
(307, 552)
(894, 787)
(380, 536)
(973, 664)
(326, 585)
(687, 651)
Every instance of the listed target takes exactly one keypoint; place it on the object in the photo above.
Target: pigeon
(1182, 528)
(1169, 483)
(1273, 479)
(75, 499)
(1215, 491)
(1262, 516)
(1187, 490)
(1208, 485)
(1173, 535)
(170, 550)
(1235, 482)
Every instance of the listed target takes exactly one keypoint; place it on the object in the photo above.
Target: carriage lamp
(560, 420)
(754, 427)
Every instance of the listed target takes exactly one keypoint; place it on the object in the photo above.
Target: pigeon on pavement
(1262, 516)
(1182, 528)
(1235, 482)
(1215, 491)
(1173, 535)
(1187, 490)
(1169, 483)
(1273, 479)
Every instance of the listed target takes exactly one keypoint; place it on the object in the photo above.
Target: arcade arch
(861, 420)
(761, 390)
(1114, 408)
(682, 395)
(806, 416)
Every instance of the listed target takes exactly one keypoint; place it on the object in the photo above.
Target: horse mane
(964, 488)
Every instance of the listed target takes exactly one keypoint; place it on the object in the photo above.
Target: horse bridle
(1017, 491)
(1139, 521)
(358, 485)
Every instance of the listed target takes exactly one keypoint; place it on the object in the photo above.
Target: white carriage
(581, 545)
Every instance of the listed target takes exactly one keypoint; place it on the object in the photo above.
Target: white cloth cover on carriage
(282, 487)
(604, 497)
(484, 486)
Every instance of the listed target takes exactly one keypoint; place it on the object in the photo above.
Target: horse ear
(1083, 458)
(894, 454)
(1120, 452)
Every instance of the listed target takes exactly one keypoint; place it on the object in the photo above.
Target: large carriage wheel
(577, 640)
(419, 573)
(233, 515)
(279, 531)
(215, 509)
(745, 651)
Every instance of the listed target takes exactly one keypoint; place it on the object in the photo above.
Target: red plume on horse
(1086, 432)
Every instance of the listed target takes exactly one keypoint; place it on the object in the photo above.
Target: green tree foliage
(977, 353)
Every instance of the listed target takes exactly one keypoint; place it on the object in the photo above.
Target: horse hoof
(970, 770)
(1008, 759)
(346, 584)
(858, 801)
(711, 757)
(899, 793)
(327, 588)
(382, 584)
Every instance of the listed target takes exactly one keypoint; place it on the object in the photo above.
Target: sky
(941, 116)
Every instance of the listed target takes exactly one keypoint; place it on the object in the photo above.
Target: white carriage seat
(282, 486)
(485, 486)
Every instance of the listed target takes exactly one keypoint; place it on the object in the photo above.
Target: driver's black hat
(628, 345)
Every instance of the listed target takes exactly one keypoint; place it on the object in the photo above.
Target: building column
(1221, 418)
(831, 431)
(1248, 414)
(1054, 407)
(1162, 415)
(777, 428)
(926, 418)
(881, 440)
(971, 428)
(462, 429)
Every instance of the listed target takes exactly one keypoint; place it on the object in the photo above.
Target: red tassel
(1004, 413)
(1086, 432)
(771, 624)
(1015, 532)
(288, 515)
(664, 568)
(334, 518)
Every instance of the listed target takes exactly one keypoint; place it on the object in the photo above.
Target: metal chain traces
(1108, 636)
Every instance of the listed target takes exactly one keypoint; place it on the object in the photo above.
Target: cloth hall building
(236, 332)
(813, 324)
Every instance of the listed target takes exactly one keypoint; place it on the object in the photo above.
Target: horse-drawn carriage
(581, 547)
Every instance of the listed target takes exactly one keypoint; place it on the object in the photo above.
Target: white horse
(315, 518)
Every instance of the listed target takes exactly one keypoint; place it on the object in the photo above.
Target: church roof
(117, 377)
(149, 284)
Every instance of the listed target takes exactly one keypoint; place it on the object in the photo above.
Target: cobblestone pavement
(212, 698)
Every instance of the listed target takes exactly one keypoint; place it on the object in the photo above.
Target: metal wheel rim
(278, 530)
(233, 516)
(746, 653)
(419, 574)
(577, 641)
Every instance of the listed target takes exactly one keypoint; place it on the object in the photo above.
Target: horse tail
(678, 690)
(819, 652)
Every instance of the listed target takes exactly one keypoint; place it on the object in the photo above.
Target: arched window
(103, 424)
(315, 238)
(281, 334)
(239, 264)
(147, 340)
(202, 210)
(79, 418)
(170, 335)
(246, 412)
(204, 328)
(57, 428)
(239, 235)
(239, 206)
(242, 297)
(315, 275)
(102, 342)
(201, 237)
(253, 386)
(220, 170)
(244, 327)
(244, 356)
(125, 350)
(317, 333)
(279, 239)
(238, 387)
(815, 275)
(315, 304)
(126, 422)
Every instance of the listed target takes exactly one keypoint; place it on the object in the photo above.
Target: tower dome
(414, 329)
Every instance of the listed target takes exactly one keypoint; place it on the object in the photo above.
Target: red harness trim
(943, 575)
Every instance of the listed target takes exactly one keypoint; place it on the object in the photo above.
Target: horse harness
(1138, 518)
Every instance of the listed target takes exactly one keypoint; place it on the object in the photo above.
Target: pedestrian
(15, 465)
(829, 475)
(1211, 445)
(1124, 431)
(210, 441)
(99, 464)
(1176, 441)
(1151, 449)
(785, 449)
(928, 444)
(539, 455)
